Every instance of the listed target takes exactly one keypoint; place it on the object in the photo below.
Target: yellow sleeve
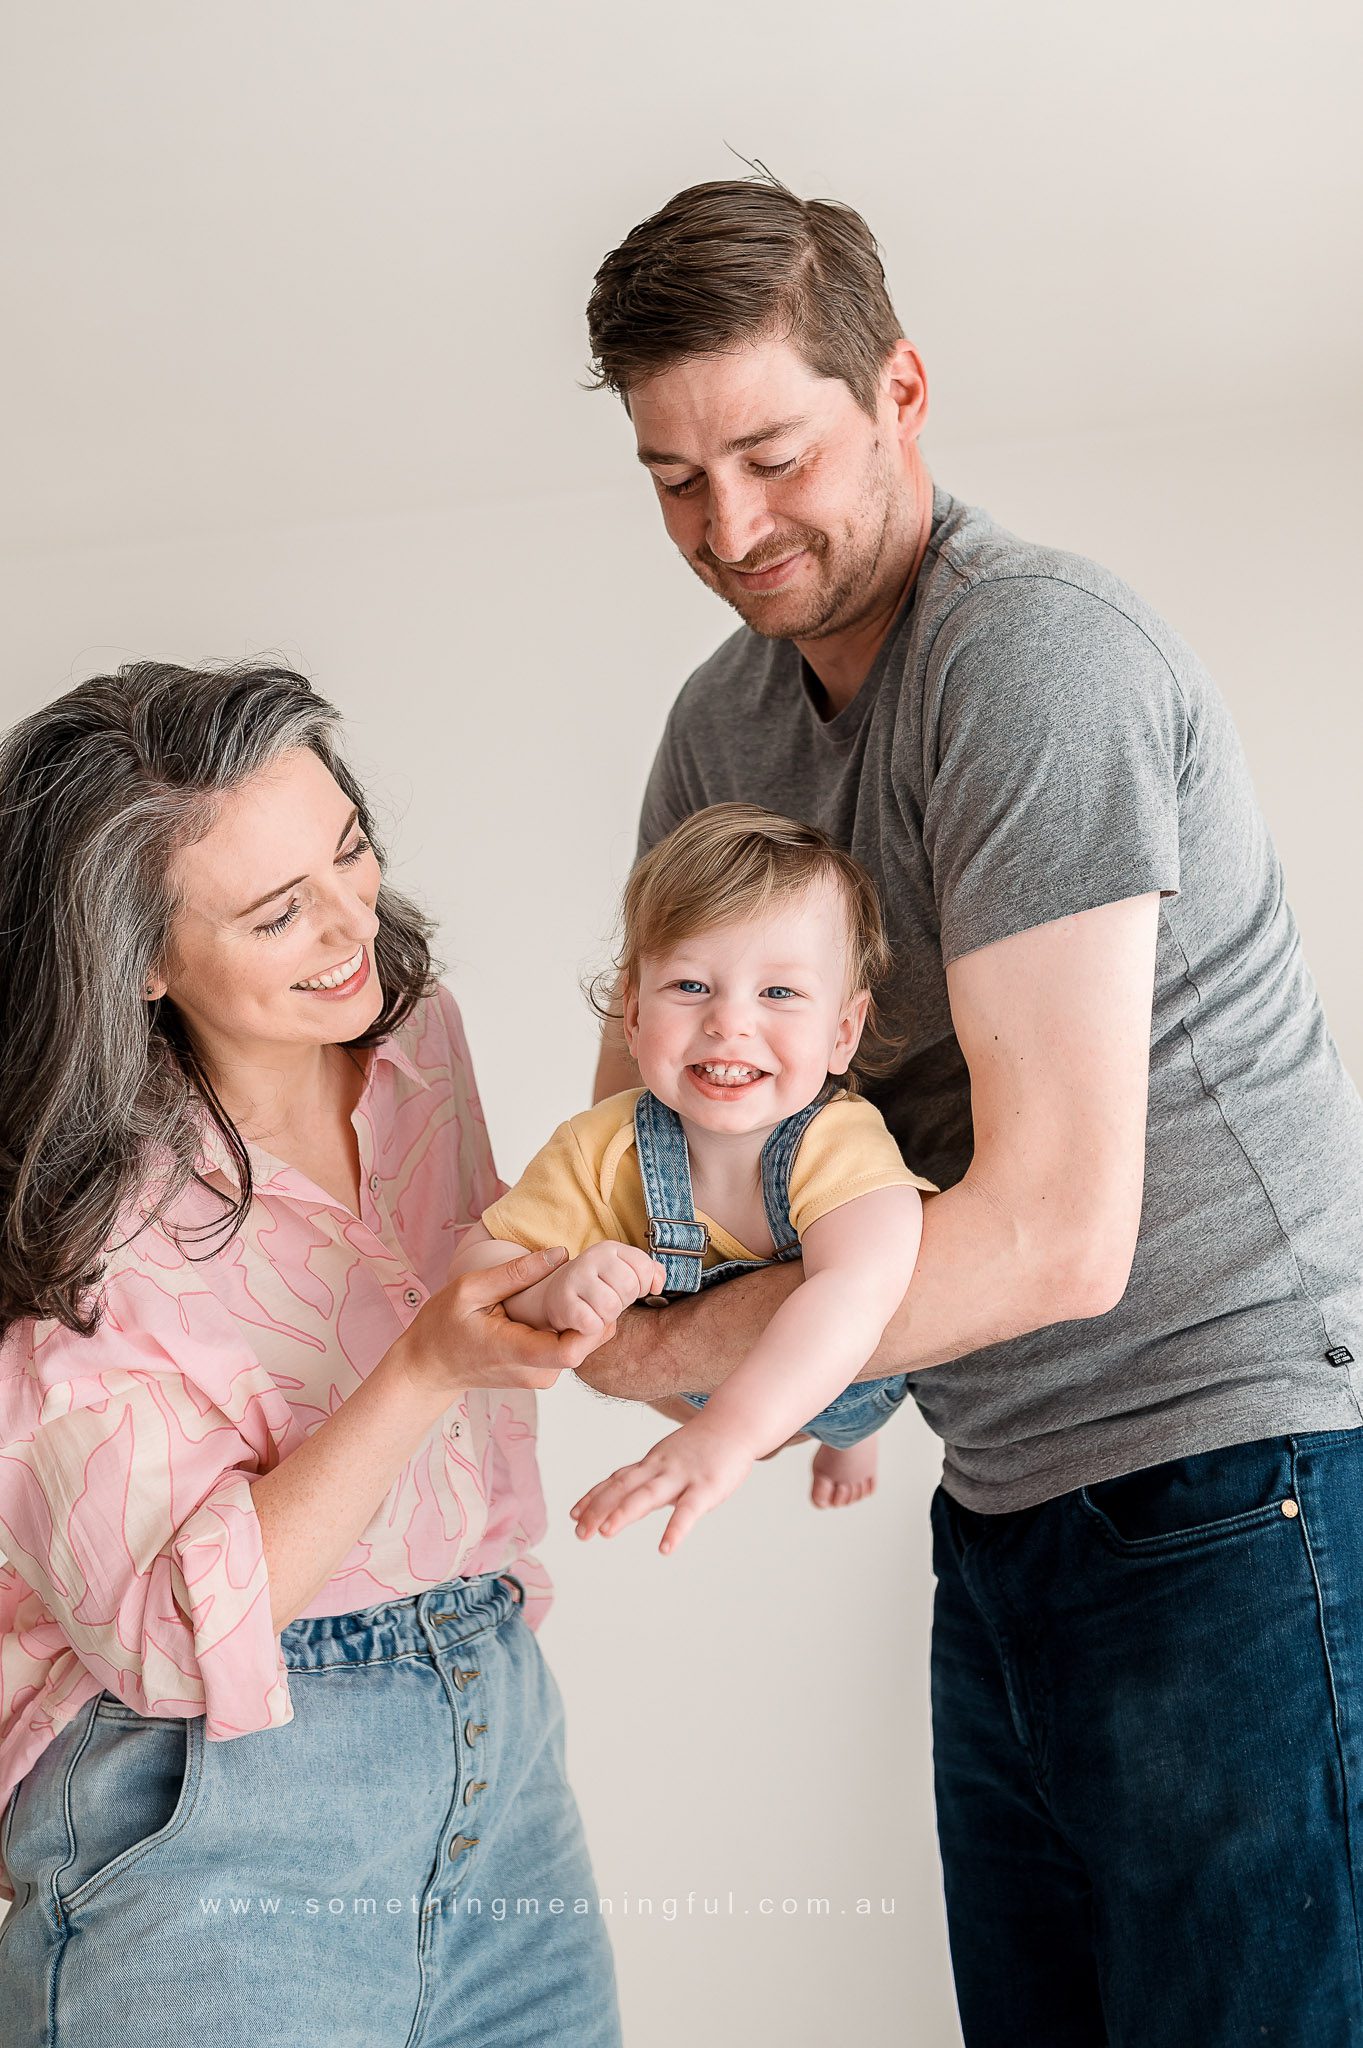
(846, 1151)
(557, 1200)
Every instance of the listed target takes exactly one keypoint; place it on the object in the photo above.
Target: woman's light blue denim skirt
(401, 1866)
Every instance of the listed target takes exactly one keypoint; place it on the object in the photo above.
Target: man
(1139, 1301)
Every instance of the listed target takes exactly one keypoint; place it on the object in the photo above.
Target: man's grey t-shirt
(1034, 741)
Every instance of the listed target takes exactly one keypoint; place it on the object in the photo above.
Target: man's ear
(629, 1001)
(850, 1027)
(905, 383)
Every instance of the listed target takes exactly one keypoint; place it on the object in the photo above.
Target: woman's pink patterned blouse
(126, 1458)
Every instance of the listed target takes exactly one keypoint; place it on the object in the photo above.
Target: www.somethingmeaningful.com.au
(714, 1905)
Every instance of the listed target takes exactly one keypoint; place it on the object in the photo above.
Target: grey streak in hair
(103, 1098)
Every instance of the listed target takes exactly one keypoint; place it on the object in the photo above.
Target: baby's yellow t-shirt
(584, 1186)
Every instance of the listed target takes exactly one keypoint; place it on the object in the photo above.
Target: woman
(277, 1744)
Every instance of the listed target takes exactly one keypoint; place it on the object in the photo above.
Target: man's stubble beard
(855, 593)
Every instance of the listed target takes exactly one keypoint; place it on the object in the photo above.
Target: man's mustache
(765, 557)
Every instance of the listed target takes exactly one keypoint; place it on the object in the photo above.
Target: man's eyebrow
(744, 441)
(270, 894)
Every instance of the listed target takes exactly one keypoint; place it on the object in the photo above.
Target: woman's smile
(345, 980)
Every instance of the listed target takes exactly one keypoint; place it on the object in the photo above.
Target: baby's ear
(850, 1027)
(629, 1012)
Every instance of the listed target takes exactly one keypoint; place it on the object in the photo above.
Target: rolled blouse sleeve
(126, 1506)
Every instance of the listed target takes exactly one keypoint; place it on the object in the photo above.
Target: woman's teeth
(728, 1076)
(337, 974)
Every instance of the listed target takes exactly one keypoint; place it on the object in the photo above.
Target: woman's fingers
(488, 1284)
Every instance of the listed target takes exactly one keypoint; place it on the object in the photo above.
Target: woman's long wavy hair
(103, 1097)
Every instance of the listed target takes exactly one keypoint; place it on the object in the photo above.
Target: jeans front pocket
(130, 1787)
(1187, 1502)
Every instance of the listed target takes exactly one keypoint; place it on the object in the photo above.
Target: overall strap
(674, 1236)
(778, 1156)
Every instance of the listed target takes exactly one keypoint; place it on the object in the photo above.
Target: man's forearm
(980, 1279)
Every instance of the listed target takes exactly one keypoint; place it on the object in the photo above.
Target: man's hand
(655, 1351)
(691, 1471)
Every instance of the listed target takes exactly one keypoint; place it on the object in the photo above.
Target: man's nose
(739, 520)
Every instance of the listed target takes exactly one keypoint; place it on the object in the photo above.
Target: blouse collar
(216, 1157)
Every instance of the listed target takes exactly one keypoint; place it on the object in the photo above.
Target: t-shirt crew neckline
(842, 728)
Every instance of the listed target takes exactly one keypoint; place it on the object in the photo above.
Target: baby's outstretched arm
(598, 1285)
(858, 1261)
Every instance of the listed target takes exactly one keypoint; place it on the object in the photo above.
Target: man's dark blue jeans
(1147, 1701)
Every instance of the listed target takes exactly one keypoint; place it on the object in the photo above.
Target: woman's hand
(464, 1338)
(691, 1471)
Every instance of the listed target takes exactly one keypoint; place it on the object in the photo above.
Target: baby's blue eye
(778, 990)
(691, 988)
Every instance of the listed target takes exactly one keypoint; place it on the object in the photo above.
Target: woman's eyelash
(343, 860)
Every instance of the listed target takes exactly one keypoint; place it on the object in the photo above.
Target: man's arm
(1054, 1024)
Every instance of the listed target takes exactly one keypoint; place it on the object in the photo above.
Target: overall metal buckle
(677, 1251)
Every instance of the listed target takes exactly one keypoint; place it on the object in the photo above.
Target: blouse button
(412, 1297)
(374, 1183)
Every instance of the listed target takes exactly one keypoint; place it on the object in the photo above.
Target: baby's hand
(842, 1477)
(691, 1471)
(593, 1290)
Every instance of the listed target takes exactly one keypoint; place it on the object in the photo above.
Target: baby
(751, 947)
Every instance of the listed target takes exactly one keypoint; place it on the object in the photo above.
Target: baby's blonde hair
(733, 861)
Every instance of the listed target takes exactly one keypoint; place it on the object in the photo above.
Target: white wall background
(293, 342)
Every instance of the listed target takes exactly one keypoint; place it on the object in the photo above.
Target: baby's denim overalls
(680, 1242)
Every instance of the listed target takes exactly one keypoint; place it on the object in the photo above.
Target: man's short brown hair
(727, 262)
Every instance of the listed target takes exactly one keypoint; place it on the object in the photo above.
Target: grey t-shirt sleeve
(1054, 739)
(668, 793)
